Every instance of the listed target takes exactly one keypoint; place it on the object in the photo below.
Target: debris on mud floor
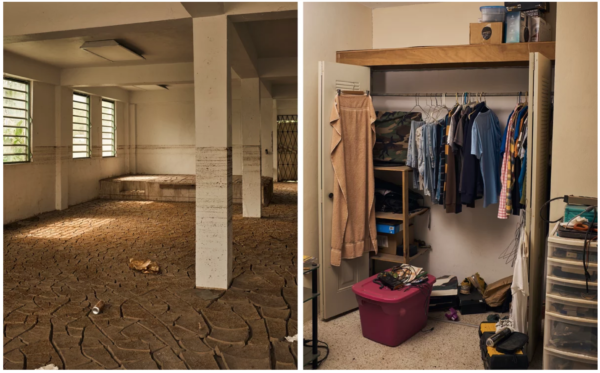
(58, 267)
(144, 266)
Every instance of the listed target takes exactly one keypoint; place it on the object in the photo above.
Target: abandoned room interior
(150, 185)
(448, 229)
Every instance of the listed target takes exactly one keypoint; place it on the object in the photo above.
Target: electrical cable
(542, 209)
(308, 343)
(586, 248)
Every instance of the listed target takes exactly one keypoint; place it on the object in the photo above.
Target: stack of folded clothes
(445, 292)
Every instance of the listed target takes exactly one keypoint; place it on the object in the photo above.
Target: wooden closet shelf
(397, 258)
(392, 216)
(393, 168)
(451, 56)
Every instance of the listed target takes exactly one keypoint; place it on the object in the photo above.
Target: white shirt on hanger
(520, 285)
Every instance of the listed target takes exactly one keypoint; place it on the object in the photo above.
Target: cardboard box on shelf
(485, 33)
(388, 243)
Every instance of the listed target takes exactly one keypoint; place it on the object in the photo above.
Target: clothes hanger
(472, 103)
(428, 110)
(356, 93)
(444, 103)
(417, 105)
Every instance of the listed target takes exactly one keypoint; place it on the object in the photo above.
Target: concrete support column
(132, 139)
(251, 156)
(212, 95)
(236, 126)
(63, 122)
(266, 129)
(274, 122)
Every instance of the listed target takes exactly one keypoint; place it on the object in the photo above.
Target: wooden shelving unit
(452, 56)
(404, 217)
(400, 217)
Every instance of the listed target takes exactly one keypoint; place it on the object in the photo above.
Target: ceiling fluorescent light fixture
(111, 50)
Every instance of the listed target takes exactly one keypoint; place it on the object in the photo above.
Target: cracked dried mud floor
(58, 265)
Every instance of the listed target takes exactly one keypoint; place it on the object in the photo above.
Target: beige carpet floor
(447, 346)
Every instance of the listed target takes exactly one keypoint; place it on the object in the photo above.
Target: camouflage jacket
(393, 130)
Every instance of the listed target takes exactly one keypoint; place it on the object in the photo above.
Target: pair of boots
(475, 281)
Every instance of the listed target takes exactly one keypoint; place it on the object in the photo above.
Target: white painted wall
(165, 141)
(287, 106)
(447, 24)
(53, 180)
(575, 128)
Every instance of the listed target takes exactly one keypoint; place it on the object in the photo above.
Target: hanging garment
(441, 185)
(520, 285)
(393, 132)
(485, 147)
(451, 190)
(353, 224)
(429, 158)
(412, 158)
(471, 186)
(460, 148)
(517, 163)
(504, 170)
(420, 157)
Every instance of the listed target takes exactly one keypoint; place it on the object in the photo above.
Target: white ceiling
(276, 38)
(381, 4)
(159, 42)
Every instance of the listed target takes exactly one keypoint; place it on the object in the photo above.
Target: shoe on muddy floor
(465, 287)
(478, 282)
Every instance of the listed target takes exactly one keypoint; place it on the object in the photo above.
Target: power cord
(586, 251)
(308, 343)
(542, 209)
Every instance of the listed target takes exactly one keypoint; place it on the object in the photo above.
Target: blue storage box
(388, 226)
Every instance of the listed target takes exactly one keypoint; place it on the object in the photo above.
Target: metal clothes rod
(453, 94)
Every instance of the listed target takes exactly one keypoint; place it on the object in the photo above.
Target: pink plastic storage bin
(391, 317)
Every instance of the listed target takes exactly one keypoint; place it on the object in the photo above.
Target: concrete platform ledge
(169, 188)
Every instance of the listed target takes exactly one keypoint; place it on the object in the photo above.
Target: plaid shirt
(507, 164)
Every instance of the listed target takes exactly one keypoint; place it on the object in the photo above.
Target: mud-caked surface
(59, 265)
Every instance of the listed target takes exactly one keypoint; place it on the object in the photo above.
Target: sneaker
(478, 283)
(465, 287)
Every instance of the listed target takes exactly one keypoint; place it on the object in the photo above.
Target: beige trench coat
(353, 223)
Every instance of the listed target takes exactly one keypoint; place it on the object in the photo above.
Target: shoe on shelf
(465, 287)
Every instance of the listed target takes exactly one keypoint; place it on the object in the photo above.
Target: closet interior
(512, 84)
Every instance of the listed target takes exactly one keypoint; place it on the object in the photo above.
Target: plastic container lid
(493, 9)
(370, 290)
